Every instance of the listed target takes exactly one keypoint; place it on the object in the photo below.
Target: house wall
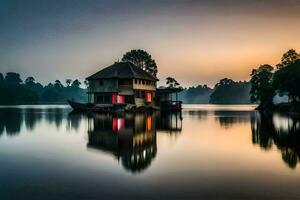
(105, 85)
(141, 101)
(139, 85)
(112, 85)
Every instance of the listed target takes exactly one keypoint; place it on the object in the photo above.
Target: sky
(195, 41)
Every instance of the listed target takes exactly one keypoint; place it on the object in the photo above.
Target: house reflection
(131, 138)
(280, 130)
(169, 122)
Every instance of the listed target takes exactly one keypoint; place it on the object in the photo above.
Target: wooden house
(122, 83)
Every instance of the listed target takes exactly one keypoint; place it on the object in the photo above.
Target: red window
(114, 98)
(148, 96)
(121, 99)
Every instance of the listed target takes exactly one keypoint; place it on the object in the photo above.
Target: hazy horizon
(197, 42)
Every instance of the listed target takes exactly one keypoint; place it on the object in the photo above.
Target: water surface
(208, 151)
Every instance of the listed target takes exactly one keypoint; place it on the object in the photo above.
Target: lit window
(149, 123)
(148, 96)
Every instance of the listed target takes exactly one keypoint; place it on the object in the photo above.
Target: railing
(170, 105)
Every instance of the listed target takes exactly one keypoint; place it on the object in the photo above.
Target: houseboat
(124, 86)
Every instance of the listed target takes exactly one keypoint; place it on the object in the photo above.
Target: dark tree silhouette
(58, 85)
(141, 59)
(287, 79)
(76, 83)
(30, 80)
(172, 83)
(288, 58)
(1, 77)
(261, 86)
(13, 78)
(68, 82)
(86, 83)
(225, 92)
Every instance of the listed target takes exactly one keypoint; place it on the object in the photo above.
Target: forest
(267, 81)
(15, 91)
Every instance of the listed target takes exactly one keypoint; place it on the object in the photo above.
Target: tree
(76, 83)
(172, 83)
(141, 59)
(227, 91)
(287, 79)
(58, 85)
(68, 82)
(224, 81)
(86, 83)
(13, 78)
(262, 86)
(30, 80)
(1, 77)
(288, 58)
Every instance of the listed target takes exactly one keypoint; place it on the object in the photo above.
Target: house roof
(122, 70)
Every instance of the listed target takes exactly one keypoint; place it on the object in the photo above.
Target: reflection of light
(91, 124)
(281, 123)
(118, 124)
(149, 123)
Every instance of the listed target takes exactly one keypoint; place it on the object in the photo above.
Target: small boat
(109, 108)
(96, 107)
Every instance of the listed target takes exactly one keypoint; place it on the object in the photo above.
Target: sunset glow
(199, 42)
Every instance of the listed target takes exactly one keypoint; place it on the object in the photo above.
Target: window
(103, 99)
(135, 81)
(125, 82)
(114, 98)
(148, 97)
(101, 82)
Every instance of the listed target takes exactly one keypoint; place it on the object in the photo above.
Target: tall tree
(172, 83)
(288, 57)
(141, 59)
(286, 80)
(262, 90)
(30, 80)
(224, 81)
(68, 82)
(76, 83)
(58, 85)
(13, 78)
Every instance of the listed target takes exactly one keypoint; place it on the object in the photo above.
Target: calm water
(213, 152)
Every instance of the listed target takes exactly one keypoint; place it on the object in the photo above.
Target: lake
(207, 151)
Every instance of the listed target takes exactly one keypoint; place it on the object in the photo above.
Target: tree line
(267, 81)
(14, 90)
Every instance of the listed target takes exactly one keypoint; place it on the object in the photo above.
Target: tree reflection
(32, 117)
(227, 119)
(281, 130)
(10, 121)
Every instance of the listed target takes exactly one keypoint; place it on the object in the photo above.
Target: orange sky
(197, 42)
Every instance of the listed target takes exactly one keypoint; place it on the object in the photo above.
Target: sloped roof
(122, 70)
